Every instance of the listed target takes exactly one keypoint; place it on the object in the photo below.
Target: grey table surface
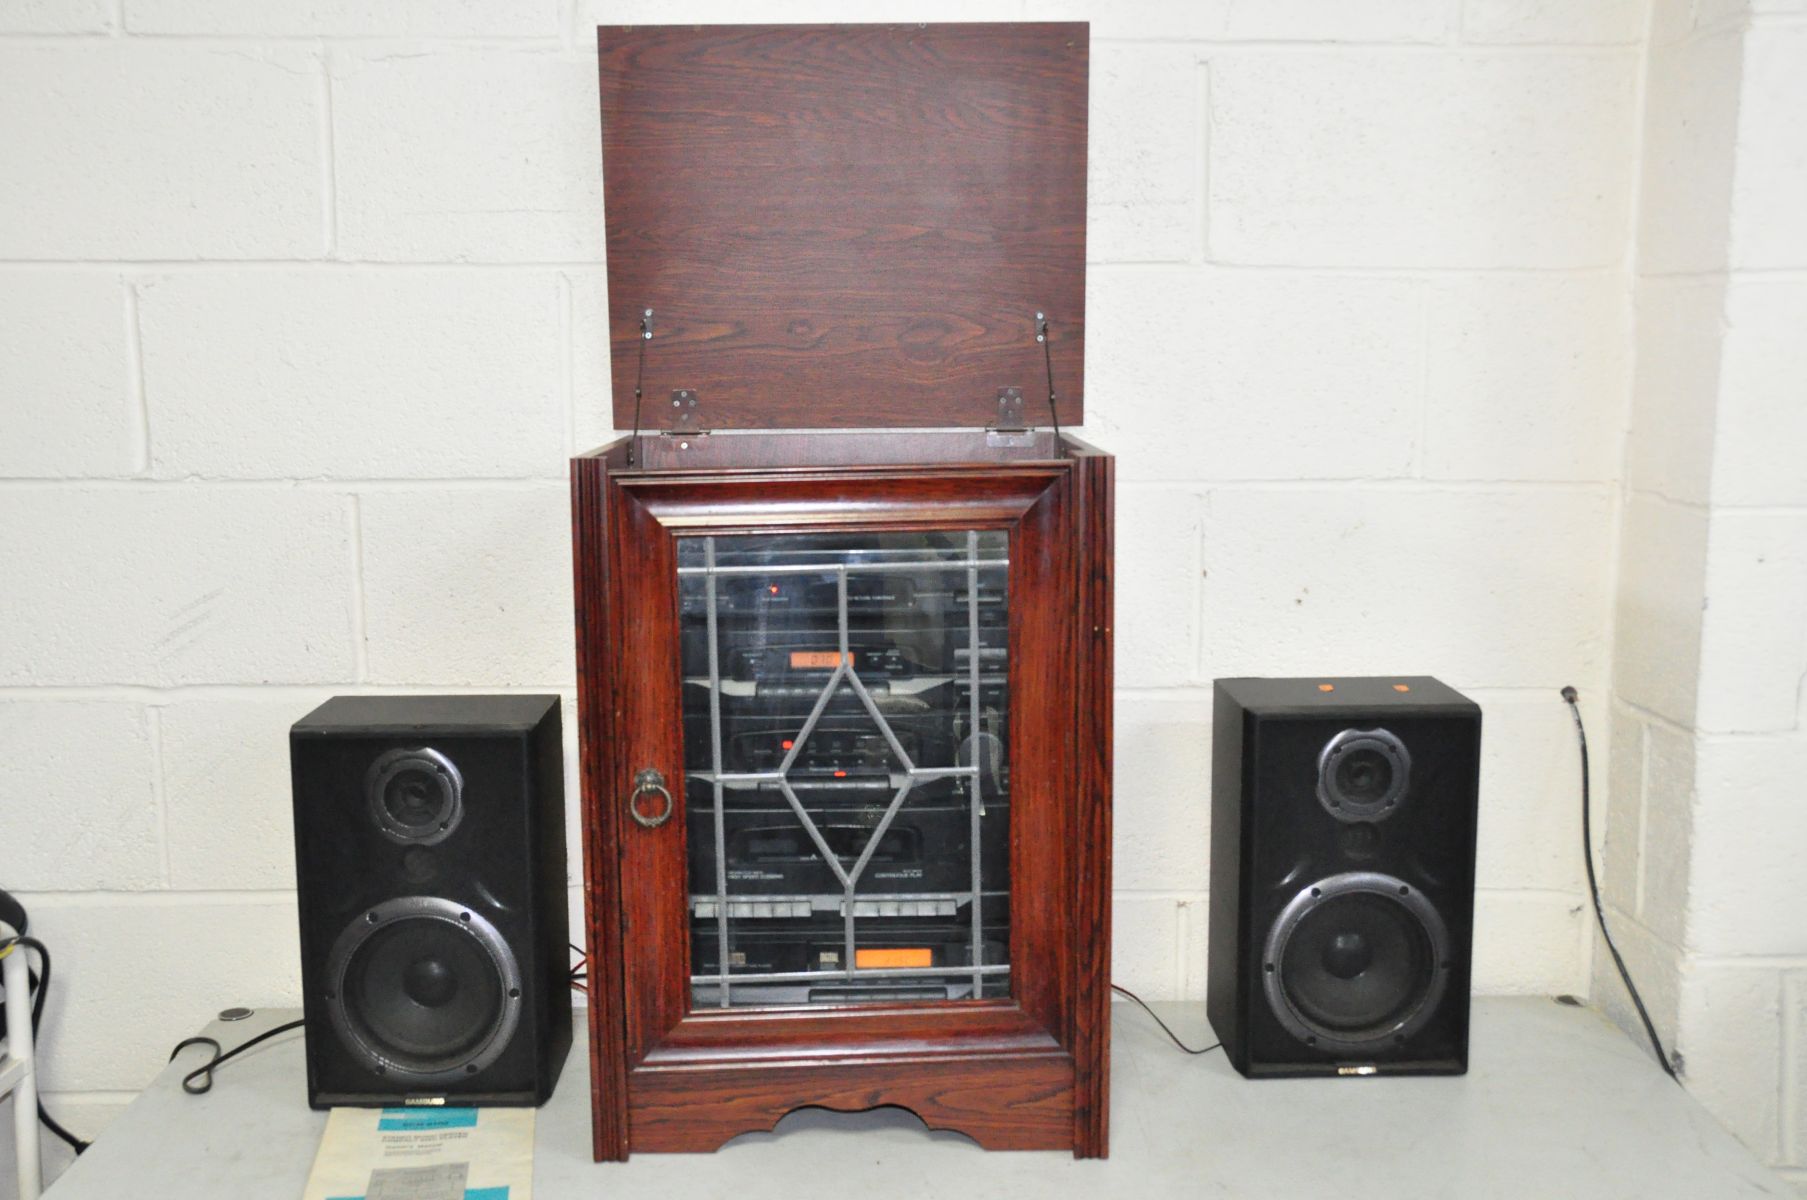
(1557, 1102)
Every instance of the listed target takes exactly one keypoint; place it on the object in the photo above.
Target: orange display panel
(894, 956)
(815, 660)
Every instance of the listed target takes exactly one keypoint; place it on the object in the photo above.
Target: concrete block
(1329, 21)
(1145, 945)
(118, 148)
(1524, 943)
(1147, 155)
(469, 587)
(386, 375)
(226, 785)
(81, 808)
(186, 959)
(1690, 131)
(1761, 420)
(1506, 587)
(1670, 814)
(58, 16)
(1750, 831)
(1157, 620)
(592, 390)
(1662, 589)
(1162, 792)
(168, 586)
(1794, 1065)
(1619, 815)
(1236, 375)
(1604, 22)
(1530, 819)
(63, 373)
(1527, 378)
(346, 18)
(1769, 190)
(1675, 391)
(1753, 649)
(1400, 160)
(1731, 1048)
(1673, 20)
(1274, 20)
(467, 156)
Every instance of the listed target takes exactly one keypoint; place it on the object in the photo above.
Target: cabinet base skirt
(1021, 1104)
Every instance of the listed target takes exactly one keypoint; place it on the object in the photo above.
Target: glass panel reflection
(846, 748)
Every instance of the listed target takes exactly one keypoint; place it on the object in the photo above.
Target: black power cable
(1157, 1020)
(42, 984)
(1593, 886)
(199, 1081)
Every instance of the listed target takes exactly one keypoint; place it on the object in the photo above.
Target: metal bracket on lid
(1011, 429)
(686, 413)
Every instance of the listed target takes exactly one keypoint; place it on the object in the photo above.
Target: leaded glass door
(846, 751)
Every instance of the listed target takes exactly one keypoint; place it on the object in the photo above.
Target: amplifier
(926, 848)
(929, 717)
(818, 944)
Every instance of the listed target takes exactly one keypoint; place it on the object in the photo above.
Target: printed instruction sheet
(424, 1154)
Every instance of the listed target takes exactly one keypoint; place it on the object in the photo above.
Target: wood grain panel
(1021, 1103)
(845, 225)
(596, 766)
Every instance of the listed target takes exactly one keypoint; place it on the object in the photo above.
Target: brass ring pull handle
(647, 780)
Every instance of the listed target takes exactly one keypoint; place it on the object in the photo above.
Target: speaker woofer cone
(415, 796)
(423, 989)
(1363, 774)
(1356, 962)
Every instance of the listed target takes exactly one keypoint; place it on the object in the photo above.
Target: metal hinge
(686, 414)
(1011, 429)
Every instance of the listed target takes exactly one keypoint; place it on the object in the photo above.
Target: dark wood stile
(597, 766)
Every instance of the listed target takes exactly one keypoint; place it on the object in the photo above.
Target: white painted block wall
(1707, 831)
(301, 312)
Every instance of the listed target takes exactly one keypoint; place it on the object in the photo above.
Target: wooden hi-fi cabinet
(844, 598)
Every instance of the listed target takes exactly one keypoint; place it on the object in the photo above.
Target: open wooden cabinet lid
(844, 226)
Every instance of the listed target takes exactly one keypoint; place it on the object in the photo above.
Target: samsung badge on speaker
(424, 1154)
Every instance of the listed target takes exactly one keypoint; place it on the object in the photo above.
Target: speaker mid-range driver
(1342, 875)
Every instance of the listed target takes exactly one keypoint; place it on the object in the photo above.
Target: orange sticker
(1326, 687)
(815, 660)
(911, 956)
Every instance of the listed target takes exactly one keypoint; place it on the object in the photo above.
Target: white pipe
(13, 970)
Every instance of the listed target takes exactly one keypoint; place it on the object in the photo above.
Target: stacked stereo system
(764, 658)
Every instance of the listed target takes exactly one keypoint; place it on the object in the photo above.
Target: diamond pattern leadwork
(844, 675)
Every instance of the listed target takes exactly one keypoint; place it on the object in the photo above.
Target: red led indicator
(788, 743)
(774, 589)
(840, 774)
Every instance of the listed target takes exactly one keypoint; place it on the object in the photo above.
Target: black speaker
(430, 863)
(1342, 875)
